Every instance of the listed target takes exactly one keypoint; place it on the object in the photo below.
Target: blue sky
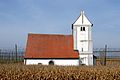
(20, 17)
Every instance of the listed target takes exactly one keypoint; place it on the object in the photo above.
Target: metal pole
(16, 51)
(100, 54)
(105, 55)
(12, 56)
(0, 55)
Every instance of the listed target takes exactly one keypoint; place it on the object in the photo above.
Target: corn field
(40, 72)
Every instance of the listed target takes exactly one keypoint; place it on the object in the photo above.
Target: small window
(39, 63)
(82, 49)
(82, 29)
(51, 62)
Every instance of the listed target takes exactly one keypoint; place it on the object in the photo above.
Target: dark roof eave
(52, 58)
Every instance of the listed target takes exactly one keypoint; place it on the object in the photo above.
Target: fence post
(0, 55)
(16, 51)
(102, 57)
(105, 55)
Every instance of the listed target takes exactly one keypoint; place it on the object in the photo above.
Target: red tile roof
(50, 46)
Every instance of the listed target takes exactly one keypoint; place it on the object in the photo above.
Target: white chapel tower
(82, 29)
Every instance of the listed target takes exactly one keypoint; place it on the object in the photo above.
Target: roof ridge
(50, 34)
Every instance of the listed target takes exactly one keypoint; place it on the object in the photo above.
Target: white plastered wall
(62, 62)
(87, 59)
(82, 39)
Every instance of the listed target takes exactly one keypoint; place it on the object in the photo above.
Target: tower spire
(82, 13)
(82, 20)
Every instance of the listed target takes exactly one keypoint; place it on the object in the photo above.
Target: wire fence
(11, 55)
(107, 56)
(17, 55)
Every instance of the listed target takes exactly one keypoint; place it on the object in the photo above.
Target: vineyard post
(101, 57)
(16, 51)
(9, 60)
(0, 55)
(105, 55)
(12, 58)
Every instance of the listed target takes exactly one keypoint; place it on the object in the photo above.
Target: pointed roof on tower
(82, 20)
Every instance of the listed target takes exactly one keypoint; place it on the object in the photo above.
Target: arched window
(82, 49)
(51, 62)
(82, 29)
(39, 63)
